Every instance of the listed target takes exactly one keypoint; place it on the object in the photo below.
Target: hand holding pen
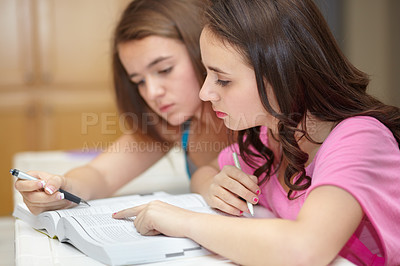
(230, 188)
(62, 195)
(237, 164)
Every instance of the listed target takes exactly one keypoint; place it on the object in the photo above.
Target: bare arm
(101, 177)
(203, 177)
(108, 172)
(304, 241)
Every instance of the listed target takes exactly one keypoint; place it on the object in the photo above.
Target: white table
(33, 248)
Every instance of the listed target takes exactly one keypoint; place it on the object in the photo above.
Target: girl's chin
(236, 126)
(233, 127)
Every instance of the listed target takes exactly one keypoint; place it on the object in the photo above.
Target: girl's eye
(139, 83)
(222, 83)
(165, 71)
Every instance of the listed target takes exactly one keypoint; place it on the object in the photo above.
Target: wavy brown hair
(288, 43)
(175, 19)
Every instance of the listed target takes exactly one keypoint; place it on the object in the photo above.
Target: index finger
(40, 174)
(51, 183)
(28, 185)
(130, 212)
(248, 181)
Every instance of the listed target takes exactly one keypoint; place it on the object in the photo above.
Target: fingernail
(50, 189)
(241, 212)
(61, 196)
(255, 200)
(258, 192)
(114, 214)
(42, 183)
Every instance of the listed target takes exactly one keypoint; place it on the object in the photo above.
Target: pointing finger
(130, 212)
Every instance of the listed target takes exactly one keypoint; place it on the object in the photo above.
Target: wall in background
(394, 48)
(55, 76)
(368, 31)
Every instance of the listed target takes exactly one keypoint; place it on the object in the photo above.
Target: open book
(94, 232)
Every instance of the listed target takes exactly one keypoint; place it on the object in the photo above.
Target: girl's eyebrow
(216, 69)
(152, 63)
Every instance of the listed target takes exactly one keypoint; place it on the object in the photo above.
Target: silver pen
(68, 196)
(237, 164)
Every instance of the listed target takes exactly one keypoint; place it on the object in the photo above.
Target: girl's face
(231, 86)
(165, 77)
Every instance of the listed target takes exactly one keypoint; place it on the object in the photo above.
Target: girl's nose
(207, 93)
(154, 88)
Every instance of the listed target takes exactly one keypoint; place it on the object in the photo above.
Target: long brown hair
(175, 19)
(288, 43)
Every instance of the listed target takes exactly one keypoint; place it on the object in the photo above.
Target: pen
(237, 164)
(68, 196)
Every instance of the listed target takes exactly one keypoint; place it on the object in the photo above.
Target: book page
(48, 220)
(108, 206)
(102, 228)
(98, 224)
(116, 242)
(45, 222)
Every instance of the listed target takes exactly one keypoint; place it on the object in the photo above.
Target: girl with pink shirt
(315, 148)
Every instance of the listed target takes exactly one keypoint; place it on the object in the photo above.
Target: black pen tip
(85, 202)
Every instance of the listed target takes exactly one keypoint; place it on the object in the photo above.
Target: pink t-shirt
(361, 156)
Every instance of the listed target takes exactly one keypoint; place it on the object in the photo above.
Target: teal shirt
(190, 166)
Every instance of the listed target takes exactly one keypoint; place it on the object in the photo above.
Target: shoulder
(361, 133)
(362, 124)
(356, 148)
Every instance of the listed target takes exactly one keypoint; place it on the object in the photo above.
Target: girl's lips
(165, 108)
(220, 114)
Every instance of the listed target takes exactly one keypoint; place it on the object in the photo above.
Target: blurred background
(55, 81)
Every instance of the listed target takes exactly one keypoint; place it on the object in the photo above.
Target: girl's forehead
(215, 50)
(209, 37)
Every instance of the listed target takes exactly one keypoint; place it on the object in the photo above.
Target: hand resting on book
(156, 217)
